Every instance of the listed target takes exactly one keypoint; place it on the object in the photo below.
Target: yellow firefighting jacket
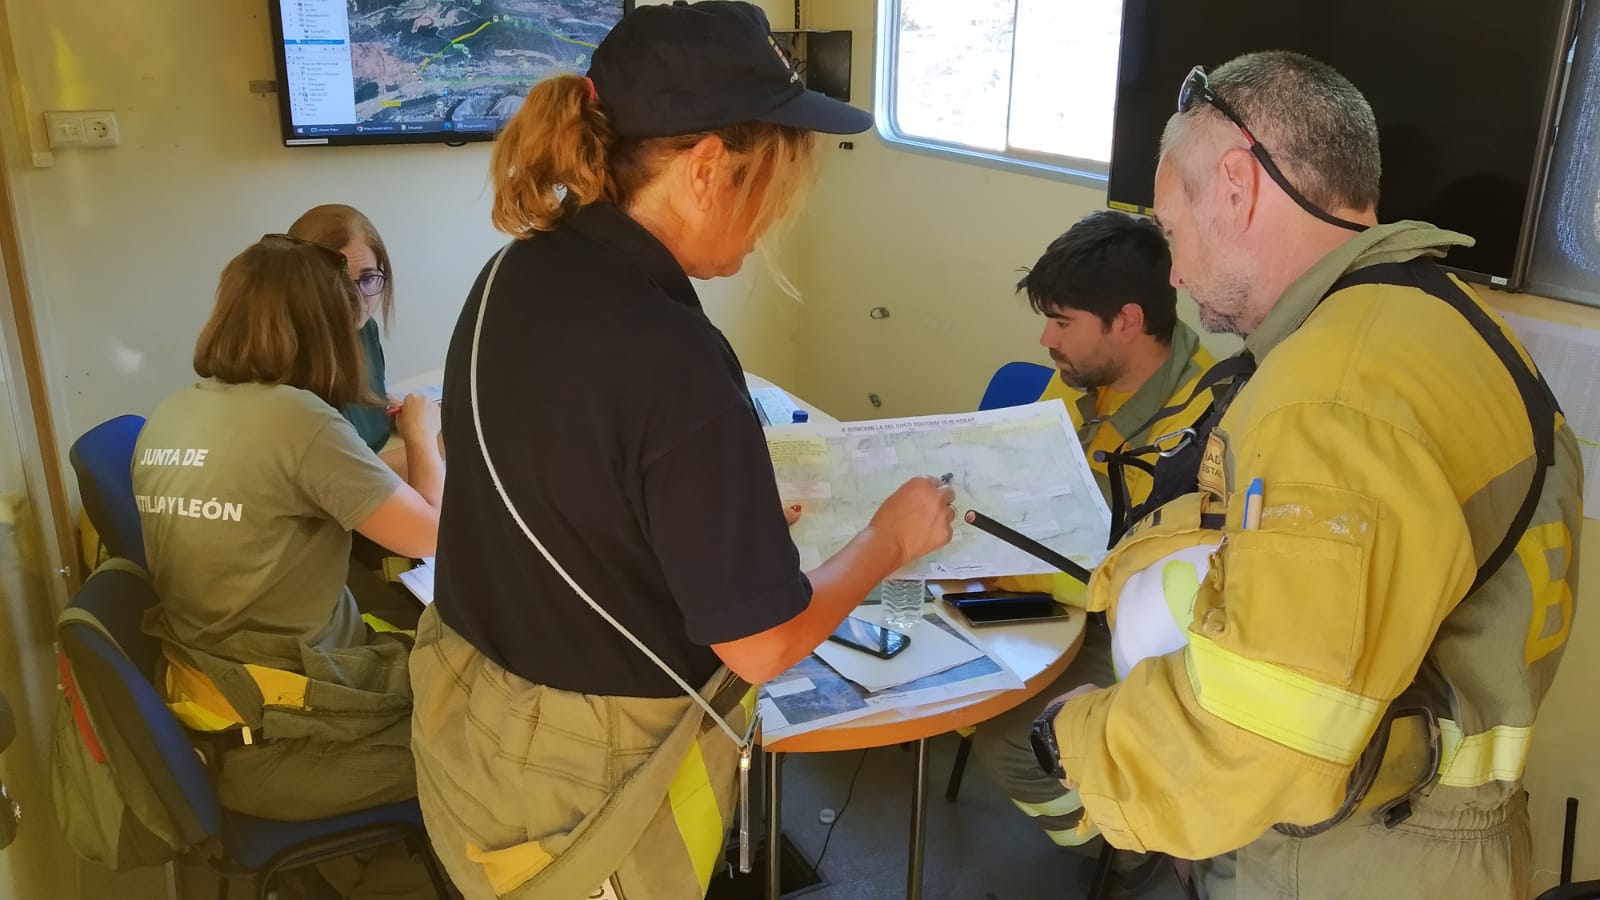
(1133, 423)
(1394, 449)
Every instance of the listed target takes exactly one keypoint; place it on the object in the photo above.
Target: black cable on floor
(840, 814)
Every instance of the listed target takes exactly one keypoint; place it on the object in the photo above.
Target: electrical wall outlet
(92, 128)
(100, 129)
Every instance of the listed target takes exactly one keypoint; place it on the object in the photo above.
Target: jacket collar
(1396, 242)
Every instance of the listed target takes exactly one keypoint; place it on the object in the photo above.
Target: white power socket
(90, 128)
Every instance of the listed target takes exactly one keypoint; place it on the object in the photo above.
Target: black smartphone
(1005, 607)
(869, 638)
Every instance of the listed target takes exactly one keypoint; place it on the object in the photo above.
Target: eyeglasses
(370, 283)
(1196, 89)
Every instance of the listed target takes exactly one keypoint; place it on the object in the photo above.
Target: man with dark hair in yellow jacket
(1125, 367)
(1332, 642)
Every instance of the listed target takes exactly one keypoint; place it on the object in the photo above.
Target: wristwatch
(1043, 738)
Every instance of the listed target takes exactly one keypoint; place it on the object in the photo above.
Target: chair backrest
(103, 461)
(1015, 384)
(113, 666)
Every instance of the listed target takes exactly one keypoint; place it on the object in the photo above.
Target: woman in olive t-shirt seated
(249, 483)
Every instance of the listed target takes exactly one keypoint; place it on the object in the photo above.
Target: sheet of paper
(1022, 467)
(1569, 357)
(428, 384)
(932, 650)
(419, 581)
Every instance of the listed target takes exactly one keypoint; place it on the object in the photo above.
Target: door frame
(58, 509)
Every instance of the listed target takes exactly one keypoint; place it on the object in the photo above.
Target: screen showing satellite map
(377, 71)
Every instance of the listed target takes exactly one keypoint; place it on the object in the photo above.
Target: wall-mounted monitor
(1464, 91)
(449, 71)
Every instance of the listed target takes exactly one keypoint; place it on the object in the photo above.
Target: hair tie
(594, 95)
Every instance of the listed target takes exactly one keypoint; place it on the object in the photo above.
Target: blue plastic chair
(103, 461)
(1015, 384)
(115, 684)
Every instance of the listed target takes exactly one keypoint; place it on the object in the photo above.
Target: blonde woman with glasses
(349, 231)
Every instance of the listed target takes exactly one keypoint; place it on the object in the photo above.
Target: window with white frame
(1029, 80)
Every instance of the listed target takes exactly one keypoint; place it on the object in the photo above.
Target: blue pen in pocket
(1252, 505)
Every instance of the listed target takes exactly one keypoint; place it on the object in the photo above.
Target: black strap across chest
(1176, 470)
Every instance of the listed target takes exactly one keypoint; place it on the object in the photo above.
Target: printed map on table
(1021, 466)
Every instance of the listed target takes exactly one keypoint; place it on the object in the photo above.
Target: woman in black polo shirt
(602, 441)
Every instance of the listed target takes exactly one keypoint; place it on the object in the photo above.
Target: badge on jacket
(1213, 477)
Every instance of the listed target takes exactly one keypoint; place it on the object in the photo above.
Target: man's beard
(1080, 379)
(1225, 307)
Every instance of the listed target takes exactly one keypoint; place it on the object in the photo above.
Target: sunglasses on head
(1196, 89)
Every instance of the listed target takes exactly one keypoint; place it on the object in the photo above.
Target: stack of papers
(812, 695)
(773, 405)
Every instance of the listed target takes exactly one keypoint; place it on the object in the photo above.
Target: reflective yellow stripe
(1072, 837)
(381, 627)
(694, 808)
(1498, 754)
(1180, 585)
(1285, 707)
(1064, 805)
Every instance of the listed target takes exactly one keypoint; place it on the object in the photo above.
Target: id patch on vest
(1213, 477)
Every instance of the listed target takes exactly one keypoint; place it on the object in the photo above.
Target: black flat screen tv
(408, 71)
(1465, 93)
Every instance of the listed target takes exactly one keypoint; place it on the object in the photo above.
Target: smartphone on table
(981, 608)
(862, 635)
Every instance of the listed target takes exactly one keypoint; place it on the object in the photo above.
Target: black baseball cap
(693, 67)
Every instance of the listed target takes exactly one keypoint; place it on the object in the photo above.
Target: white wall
(939, 242)
(124, 245)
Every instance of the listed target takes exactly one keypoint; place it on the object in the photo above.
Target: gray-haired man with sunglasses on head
(1328, 690)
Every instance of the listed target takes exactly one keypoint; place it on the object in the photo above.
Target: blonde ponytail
(558, 138)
